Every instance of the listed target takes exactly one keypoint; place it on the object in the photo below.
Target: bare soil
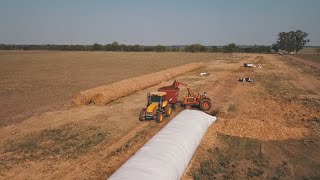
(313, 62)
(265, 129)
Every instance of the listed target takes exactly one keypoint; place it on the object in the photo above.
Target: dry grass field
(38, 81)
(309, 53)
(266, 129)
(308, 50)
(310, 57)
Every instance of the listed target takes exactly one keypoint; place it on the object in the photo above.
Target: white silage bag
(166, 155)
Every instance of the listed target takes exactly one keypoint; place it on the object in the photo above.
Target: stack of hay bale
(105, 94)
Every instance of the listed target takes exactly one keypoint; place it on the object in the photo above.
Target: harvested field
(310, 57)
(265, 129)
(308, 50)
(33, 82)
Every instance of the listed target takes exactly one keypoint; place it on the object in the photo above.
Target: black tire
(174, 106)
(142, 116)
(159, 117)
(168, 110)
(205, 104)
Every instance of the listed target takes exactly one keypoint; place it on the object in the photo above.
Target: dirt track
(306, 62)
(92, 142)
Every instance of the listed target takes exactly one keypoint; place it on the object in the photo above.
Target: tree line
(115, 46)
(287, 41)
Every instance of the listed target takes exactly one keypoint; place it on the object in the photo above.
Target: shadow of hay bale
(104, 94)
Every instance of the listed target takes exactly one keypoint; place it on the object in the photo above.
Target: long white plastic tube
(166, 155)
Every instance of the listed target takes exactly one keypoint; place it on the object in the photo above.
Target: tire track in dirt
(222, 94)
(223, 90)
(303, 61)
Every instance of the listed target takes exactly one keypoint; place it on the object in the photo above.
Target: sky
(153, 22)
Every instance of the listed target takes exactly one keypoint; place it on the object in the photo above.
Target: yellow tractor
(157, 107)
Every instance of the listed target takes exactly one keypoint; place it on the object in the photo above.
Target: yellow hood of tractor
(152, 107)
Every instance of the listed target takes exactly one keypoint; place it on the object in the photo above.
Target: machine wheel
(159, 117)
(205, 104)
(142, 115)
(168, 110)
(174, 106)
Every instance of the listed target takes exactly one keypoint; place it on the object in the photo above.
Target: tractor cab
(157, 107)
(157, 97)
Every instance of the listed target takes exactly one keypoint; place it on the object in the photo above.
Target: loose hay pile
(105, 94)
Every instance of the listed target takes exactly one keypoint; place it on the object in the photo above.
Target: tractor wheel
(168, 110)
(142, 115)
(159, 117)
(174, 106)
(205, 104)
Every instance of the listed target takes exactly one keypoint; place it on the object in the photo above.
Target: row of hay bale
(105, 94)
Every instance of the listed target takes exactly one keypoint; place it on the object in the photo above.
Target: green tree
(292, 40)
(286, 41)
(230, 48)
(136, 48)
(122, 47)
(195, 48)
(148, 48)
(160, 48)
(213, 49)
(115, 46)
(275, 47)
(300, 40)
(95, 47)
